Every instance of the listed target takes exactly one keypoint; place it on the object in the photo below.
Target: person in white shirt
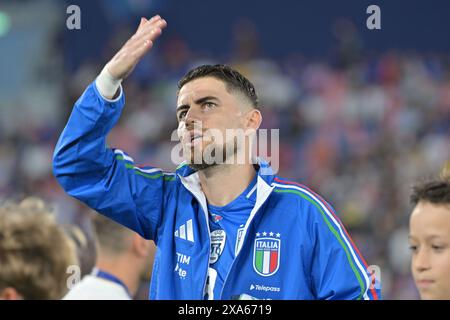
(124, 259)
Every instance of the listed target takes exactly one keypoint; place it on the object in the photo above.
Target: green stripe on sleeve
(333, 231)
(146, 175)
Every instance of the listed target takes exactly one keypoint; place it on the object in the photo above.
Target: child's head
(429, 238)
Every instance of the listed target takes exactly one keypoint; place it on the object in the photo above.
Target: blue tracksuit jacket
(293, 246)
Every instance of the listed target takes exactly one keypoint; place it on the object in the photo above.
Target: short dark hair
(435, 190)
(234, 81)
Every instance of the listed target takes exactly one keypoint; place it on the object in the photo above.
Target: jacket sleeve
(106, 179)
(338, 270)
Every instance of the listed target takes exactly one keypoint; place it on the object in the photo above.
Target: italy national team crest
(266, 253)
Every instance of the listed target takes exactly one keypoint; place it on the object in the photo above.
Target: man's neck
(222, 184)
(120, 269)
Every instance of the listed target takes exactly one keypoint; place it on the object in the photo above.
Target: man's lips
(195, 136)
(192, 138)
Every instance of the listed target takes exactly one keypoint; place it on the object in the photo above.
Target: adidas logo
(185, 231)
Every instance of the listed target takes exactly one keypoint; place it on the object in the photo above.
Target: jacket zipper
(243, 242)
(209, 236)
(209, 254)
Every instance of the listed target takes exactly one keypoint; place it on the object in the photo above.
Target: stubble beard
(219, 153)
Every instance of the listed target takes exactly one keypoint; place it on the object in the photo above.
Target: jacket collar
(263, 168)
(190, 179)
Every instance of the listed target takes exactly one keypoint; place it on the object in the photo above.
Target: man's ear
(10, 293)
(253, 119)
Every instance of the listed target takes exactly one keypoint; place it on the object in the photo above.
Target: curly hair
(34, 251)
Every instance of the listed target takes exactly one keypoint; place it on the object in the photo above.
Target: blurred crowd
(358, 128)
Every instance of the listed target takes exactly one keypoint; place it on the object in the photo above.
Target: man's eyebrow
(198, 101)
(182, 107)
(204, 99)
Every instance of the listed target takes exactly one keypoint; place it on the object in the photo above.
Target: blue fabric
(293, 245)
(230, 218)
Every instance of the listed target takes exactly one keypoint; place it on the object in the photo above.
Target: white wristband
(106, 84)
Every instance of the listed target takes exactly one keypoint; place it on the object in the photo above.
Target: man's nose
(192, 117)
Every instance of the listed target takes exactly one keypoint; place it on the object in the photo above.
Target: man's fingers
(150, 33)
(143, 20)
(138, 45)
(146, 35)
(145, 40)
(151, 21)
(154, 18)
(149, 26)
(143, 49)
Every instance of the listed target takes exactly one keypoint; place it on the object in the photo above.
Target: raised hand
(121, 65)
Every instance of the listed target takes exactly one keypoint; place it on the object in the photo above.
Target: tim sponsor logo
(180, 267)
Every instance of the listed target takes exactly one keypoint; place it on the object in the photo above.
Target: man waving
(225, 225)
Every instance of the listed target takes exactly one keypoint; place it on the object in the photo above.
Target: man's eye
(413, 248)
(208, 105)
(182, 114)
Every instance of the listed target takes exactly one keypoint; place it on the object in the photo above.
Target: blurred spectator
(123, 260)
(34, 252)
